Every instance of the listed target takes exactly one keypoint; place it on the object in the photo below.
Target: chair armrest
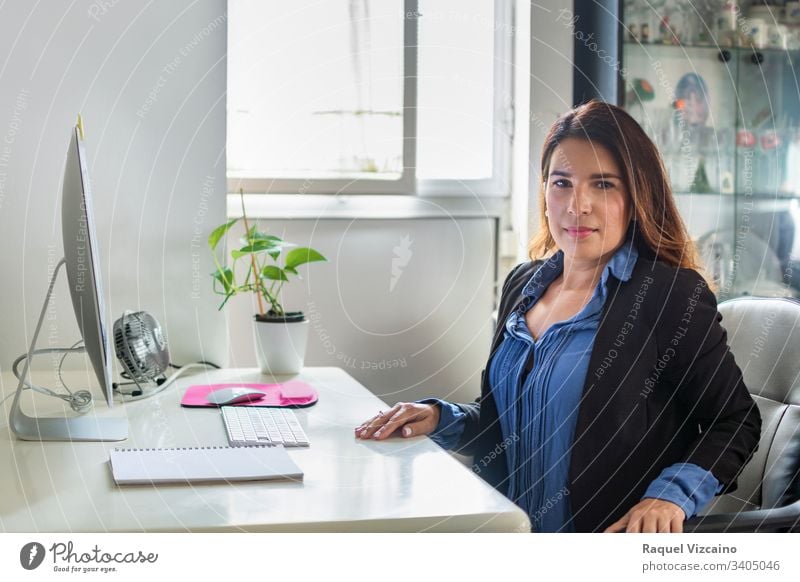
(746, 521)
(465, 460)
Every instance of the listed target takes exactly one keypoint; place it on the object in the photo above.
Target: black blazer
(662, 387)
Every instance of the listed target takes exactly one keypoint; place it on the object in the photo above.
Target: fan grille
(140, 346)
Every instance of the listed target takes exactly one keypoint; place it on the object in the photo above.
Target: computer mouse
(225, 396)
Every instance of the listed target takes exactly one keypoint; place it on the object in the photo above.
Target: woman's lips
(580, 232)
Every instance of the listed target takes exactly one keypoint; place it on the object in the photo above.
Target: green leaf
(219, 232)
(257, 247)
(274, 273)
(279, 249)
(254, 235)
(225, 278)
(278, 244)
(291, 270)
(302, 255)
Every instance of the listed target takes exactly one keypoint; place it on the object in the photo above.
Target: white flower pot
(280, 346)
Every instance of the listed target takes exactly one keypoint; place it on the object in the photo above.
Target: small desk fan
(141, 349)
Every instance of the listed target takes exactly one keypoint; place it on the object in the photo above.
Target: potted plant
(280, 337)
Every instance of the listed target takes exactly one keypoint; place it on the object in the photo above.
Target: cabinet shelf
(770, 196)
(690, 193)
(743, 196)
(736, 111)
(713, 49)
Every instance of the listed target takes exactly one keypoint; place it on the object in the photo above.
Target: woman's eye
(561, 183)
(605, 185)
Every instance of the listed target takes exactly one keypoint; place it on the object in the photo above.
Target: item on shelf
(792, 13)
(756, 32)
(726, 24)
(745, 138)
(726, 185)
(639, 18)
(641, 91)
(700, 184)
(777, 36)
(692, 101)
(760, 17)
(698, 22)
(671, 28)
(703, 32)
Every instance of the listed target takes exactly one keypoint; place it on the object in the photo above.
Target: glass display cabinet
(716, 85)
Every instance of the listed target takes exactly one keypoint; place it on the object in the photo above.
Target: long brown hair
(658, 229)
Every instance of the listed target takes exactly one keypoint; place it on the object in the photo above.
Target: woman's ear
(631, 212)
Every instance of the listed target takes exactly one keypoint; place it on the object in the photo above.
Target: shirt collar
(621, 266)
(622, 262)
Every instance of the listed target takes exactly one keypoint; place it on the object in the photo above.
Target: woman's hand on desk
(650, 516)
(412, 418)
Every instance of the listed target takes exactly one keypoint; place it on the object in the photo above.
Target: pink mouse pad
(293, 393)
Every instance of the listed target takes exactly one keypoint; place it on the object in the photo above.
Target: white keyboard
(252, 425)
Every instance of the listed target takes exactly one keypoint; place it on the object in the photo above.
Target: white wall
(551, 85)
(403, 304)
(149, 79)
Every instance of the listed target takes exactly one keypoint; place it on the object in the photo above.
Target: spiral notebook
(195, 464)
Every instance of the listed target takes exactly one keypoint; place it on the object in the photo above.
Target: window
(369, 96)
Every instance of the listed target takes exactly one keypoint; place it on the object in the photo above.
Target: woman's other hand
(412, 418)
(650, 516)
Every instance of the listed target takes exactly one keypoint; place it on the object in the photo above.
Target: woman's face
(587, 203)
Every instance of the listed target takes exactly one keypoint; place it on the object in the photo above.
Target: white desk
(349, 485)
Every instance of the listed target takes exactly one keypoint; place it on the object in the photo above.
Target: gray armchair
(764, 335)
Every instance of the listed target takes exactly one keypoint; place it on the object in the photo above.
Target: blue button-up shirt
(538, 410)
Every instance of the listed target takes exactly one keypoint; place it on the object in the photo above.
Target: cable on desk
(162, 383)
(80, 401)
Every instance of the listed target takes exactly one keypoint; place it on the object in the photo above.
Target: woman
(610, 401)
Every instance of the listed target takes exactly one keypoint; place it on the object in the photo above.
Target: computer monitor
(86, 290)
(83, 268)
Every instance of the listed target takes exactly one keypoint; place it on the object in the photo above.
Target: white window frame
(500, 182)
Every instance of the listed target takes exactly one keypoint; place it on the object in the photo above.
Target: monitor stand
(60, 429)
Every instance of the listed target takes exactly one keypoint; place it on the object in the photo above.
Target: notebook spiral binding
(207, 448)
